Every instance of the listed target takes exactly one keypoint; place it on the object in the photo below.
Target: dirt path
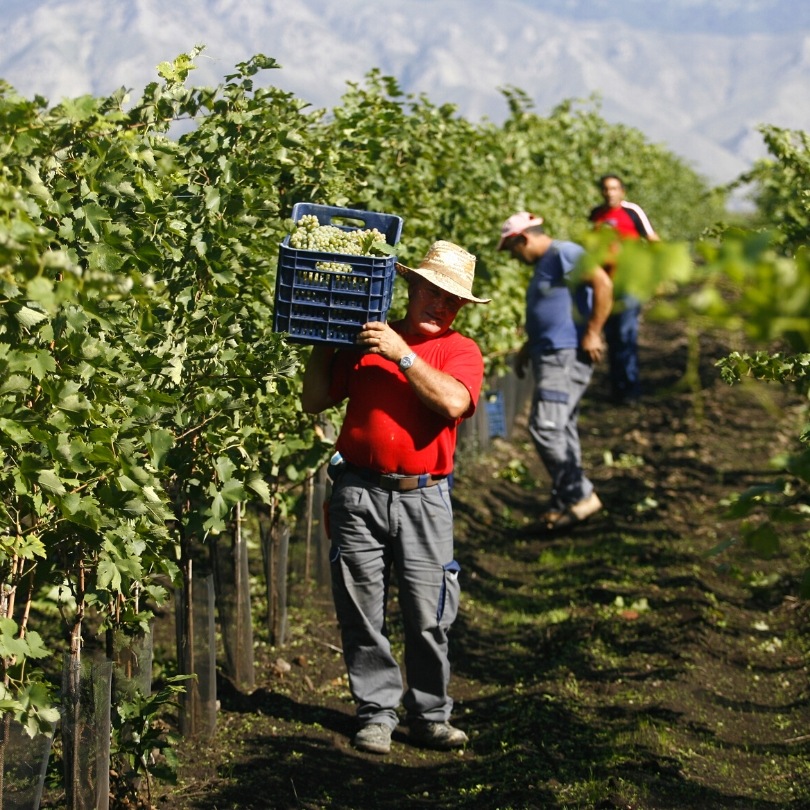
(615, 667)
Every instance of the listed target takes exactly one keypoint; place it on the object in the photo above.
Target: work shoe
(441, 736)
(374, 738)
(551, 515)
(576, 513)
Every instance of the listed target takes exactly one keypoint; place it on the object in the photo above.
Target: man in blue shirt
(564, 340)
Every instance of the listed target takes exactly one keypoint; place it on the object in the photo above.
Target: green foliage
(642, 269)
(771, 306)
(782, 185)
(784, 369)
(751, 287)
(767, 509)
(27, 696)
(556, 162)
(142, 744)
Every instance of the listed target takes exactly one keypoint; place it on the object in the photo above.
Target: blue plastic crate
(317, 305)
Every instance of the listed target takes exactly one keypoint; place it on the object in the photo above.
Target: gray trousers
(560, 380)
(374, 531)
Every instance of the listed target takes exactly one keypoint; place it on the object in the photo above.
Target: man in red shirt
(408, 385)
(621, 330)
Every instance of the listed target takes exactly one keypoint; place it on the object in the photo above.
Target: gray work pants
(560, 380)
(373, 531)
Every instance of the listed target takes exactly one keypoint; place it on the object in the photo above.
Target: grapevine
(309, 234)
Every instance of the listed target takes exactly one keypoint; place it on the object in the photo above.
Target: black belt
(395, 483)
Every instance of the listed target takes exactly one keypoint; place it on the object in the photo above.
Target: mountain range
(697, 76)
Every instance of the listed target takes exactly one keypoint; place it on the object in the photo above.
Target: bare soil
(620, 665)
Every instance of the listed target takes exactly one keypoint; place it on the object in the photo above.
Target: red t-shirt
(619, 219)
(387, 427)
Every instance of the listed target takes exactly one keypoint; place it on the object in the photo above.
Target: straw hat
(449, 267)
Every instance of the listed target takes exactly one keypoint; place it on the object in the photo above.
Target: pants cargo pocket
(448, 592)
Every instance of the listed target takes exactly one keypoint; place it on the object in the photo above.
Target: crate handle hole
(348, 222)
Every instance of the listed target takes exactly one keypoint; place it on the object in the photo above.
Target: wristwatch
(406, 362)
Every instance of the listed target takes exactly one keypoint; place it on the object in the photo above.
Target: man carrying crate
(408, 385)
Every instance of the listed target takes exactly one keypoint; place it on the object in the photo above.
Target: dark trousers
(621, 334)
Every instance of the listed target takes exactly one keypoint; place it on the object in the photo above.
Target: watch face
(407, 361)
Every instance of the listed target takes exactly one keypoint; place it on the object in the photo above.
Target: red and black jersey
(628, 219)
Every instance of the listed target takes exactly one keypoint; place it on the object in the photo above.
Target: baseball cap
(516, 224)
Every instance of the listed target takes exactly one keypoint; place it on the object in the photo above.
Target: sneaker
(441, 736)
(551, 515)
(577, 512)
(374, 738)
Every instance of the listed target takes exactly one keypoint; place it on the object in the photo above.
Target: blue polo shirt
(550, 316)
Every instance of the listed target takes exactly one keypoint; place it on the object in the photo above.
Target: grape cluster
(309, 234)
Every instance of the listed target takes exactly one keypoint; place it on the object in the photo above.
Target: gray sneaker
(441, 736)
(374, 738)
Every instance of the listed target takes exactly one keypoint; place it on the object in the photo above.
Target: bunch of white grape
(309, 234)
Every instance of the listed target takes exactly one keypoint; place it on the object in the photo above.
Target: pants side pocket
(451, 572)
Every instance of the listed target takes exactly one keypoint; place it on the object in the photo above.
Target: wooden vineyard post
(320, 494)
(232, 586)
(196, 651)
(276, 542)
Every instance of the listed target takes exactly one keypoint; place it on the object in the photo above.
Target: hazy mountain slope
(732, 17)
(700, 93)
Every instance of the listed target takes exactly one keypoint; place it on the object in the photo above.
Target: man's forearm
(602, 299)
(439, 391)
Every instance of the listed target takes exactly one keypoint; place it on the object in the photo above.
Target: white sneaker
(577, 512)
(374, 738)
